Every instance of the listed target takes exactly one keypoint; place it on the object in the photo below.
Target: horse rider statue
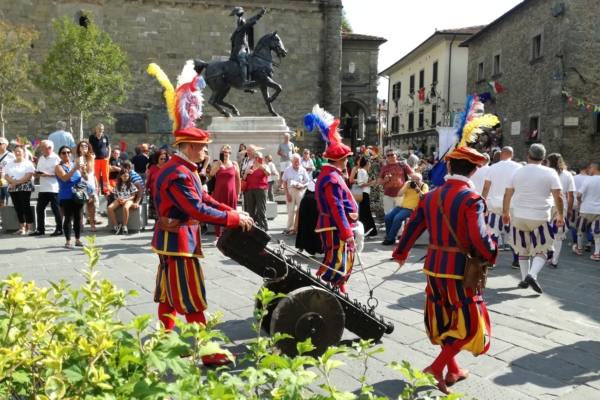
(239, 42)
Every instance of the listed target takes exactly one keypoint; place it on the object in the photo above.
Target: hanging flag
(496, 87)
(485, 97)
(421, 94)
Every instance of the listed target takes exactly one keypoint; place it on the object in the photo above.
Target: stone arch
(353, 116)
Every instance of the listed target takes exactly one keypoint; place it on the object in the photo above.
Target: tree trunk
(70, 123)
(81, 125)
(2, 118)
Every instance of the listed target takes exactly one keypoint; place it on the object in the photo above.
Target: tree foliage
(69, 343)
(15, 44)
(85, 72)
(346, 27)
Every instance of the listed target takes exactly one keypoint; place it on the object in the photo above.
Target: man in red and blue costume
(338, 214)
(456, 318)
(182, 205)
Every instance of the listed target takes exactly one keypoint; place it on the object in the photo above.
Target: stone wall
(170, 32)
(570, 51)
(360, 85)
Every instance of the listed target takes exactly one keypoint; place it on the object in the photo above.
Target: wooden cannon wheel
(308, 312)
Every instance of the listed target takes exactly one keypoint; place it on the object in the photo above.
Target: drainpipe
(449, 75)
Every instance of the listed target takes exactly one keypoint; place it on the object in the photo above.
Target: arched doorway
(352, 123)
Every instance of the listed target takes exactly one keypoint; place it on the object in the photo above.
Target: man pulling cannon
(181, 206)
(338, 211)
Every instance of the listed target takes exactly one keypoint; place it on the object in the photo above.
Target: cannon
(312, 308)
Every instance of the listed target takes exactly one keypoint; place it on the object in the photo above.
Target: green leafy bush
(66, 343)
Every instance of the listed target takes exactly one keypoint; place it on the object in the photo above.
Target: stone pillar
(331, 57)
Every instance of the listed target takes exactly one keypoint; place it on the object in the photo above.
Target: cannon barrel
(285, 274)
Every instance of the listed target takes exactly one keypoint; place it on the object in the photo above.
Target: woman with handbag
(70, 195)
(85, 157)
(460, 247)
(364, 204)
(18, 174)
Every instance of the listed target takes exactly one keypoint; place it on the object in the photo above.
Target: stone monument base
(262, 132)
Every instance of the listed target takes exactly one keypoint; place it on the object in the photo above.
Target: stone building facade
(359, 88)
(169, 32)
(427, 88)
(536, 51)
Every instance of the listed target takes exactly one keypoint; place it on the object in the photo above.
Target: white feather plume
(323, 115)
(188, 73)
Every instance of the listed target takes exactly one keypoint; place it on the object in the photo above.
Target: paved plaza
(544, 347)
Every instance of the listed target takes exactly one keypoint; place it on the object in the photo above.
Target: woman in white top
(86, 158)
(364, 206)
(18, 174)
(273, 176)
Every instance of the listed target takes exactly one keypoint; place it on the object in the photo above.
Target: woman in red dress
(157, 160)
(227, 181)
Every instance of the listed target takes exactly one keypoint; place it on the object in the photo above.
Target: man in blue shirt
(60, 137)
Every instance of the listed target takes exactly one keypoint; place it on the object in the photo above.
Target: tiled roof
(358, 36)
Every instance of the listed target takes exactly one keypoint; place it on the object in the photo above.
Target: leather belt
(173, 225)
(450, 249)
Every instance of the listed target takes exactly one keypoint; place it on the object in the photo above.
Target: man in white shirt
(48, 191)
(567, 183)
(589, 211)
(307, 162)
(478, 178)
(527, 206)
(5, 157)
(295, 179)
(496, 181)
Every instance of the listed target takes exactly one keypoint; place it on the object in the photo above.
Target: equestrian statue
(245, 69)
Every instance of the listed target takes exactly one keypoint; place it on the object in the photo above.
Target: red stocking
(196, 317)
(453, 367)
(166, 313)
(448, 352)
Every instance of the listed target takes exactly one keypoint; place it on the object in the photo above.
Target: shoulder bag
(475, 276)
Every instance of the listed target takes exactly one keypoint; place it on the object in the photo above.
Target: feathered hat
(328, 128)
(184, 103)
(471, 123)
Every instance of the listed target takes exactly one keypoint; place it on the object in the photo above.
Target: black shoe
(36, 233)
(249, 90)
(534, 284)
(388, 242)
(56, 233)
(515, 265)
(492, 266)
(551, 264)
(523, 285)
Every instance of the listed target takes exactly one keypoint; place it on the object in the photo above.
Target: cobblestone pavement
(544, 347)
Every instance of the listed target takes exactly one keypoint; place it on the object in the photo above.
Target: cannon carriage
(312, 308)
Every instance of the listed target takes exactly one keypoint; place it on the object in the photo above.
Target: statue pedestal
(262, 132)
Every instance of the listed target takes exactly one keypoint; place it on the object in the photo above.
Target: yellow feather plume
(474, 128)
(169, 91)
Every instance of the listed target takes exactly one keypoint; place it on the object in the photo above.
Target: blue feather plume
(321, 119)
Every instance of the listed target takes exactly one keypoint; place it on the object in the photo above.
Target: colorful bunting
(581, 103)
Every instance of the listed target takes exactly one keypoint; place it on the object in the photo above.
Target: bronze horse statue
(221, 76)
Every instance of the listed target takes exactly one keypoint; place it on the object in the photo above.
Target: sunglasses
(65, 152)
(163, 158)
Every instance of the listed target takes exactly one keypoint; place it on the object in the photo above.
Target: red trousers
(101, 171)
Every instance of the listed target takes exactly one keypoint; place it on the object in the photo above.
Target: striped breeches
(180, 283)
(455, 315)
(338, 258)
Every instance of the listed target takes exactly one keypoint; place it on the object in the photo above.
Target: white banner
(447, 139)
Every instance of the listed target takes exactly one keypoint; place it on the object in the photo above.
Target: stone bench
(134, 224)
(10, 223)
